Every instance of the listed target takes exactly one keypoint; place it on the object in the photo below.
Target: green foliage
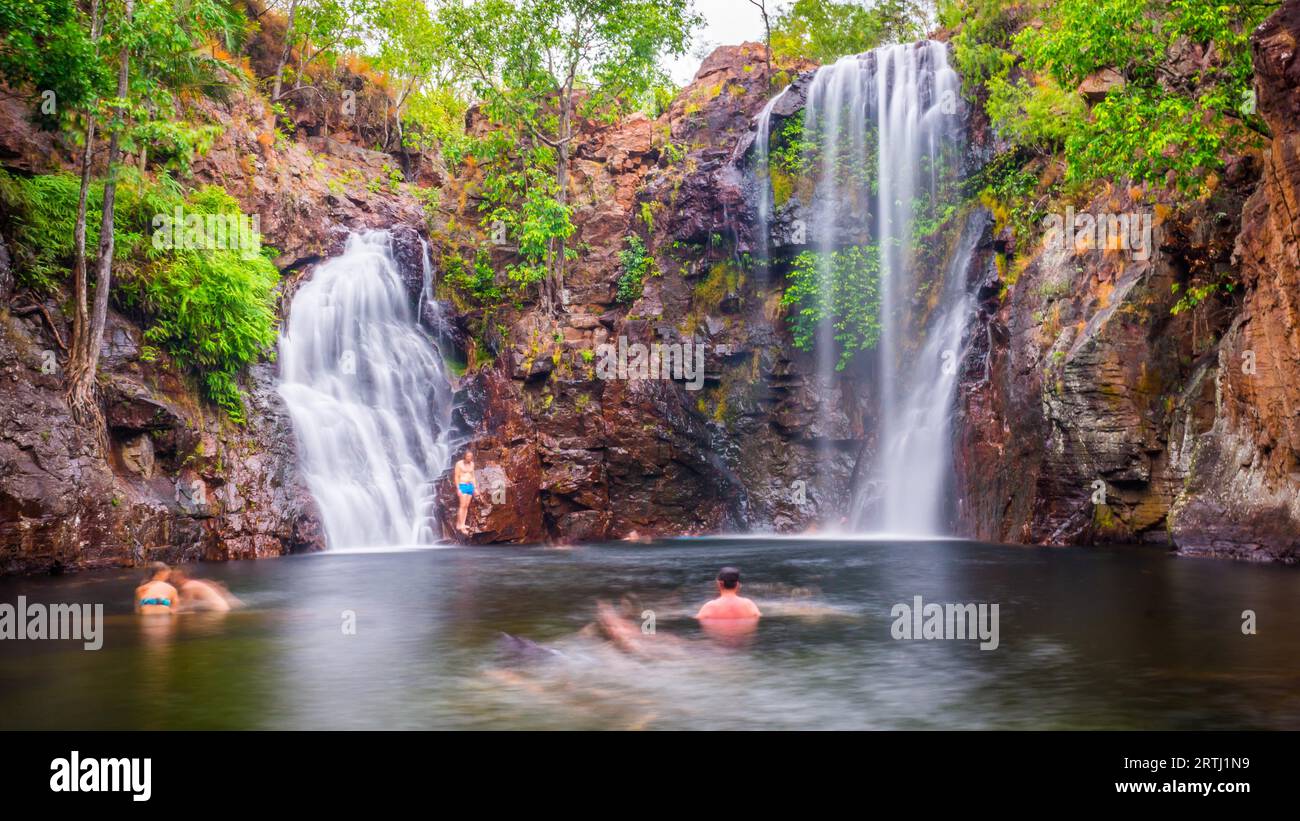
(637, 263)
(40, 212)
(409, 44)
(45, 46)
(842, 288)
(477, 282)
(790, 151)
(523, 53)
(1042, 116)
(1193, 296)
(1009, 189)
(797, 152)
(824, 30)
(1153, 122)
(538, 223)
(213, 310)
(435, 117)
(981, 44)
(538, 66)
(174, 143)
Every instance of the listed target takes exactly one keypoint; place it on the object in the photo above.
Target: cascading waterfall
(762, 160)
(888, 136)
(908, 490)
(368, 397)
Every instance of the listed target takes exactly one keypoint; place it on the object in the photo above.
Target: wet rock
(137, 455)
(1097, 85)
(408, 251)
(6, 272)
(1243, 497)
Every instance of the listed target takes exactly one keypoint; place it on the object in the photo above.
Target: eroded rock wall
(1095, 413)
(173, 478)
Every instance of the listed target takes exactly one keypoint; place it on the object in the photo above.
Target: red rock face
(616, 455)
(1243, 497)
(1188, 423)
(178, 481)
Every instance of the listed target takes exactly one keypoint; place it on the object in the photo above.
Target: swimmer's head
(728, 579)
(157, 572)
(178, 577)
(469, 456)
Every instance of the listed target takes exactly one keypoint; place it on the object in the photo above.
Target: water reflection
(519, 637)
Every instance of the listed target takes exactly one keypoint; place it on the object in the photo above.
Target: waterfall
(762, 171)
(368, 397)
(888, 138)
(908, 492)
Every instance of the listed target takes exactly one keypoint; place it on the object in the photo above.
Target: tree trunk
(553, 295)
(81, 388)
(77, 346)
(80, 288)
(284, 53)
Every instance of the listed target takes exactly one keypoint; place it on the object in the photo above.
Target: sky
(726, 23)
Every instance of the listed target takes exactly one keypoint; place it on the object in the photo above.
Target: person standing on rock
(464, 476)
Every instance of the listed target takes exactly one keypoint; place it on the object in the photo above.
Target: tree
(825, 30)
(319, 29)
(412, 49)
(761, 5)
(56, 53)
(48, 50)
(539, 65)
(83, 358)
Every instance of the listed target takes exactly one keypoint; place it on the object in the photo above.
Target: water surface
(1089, 638)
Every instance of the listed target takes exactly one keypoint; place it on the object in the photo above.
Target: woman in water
(157, 596)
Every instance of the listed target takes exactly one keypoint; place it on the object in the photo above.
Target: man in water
(157, 595)
(203, 595)
(464, 475)
(729, 604)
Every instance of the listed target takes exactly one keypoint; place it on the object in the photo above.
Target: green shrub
(477, 282)
(213, 310)
(850, 300)
(637, 263)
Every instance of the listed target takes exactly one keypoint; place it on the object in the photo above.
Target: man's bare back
(729, 604)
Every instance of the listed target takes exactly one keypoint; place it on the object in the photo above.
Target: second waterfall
(881, 149)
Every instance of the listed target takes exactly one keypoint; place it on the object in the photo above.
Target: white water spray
(366, 390)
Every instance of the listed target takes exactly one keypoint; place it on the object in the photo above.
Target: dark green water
(1088, 639)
